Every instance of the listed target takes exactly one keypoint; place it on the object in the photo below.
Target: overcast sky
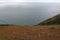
(16, 2)
(29, 0)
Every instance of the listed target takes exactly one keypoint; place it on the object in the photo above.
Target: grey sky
(29, 0)
(14, 2)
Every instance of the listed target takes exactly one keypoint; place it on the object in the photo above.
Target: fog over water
(27, 13)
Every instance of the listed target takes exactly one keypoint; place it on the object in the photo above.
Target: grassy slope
(51, 32)
(51, 21)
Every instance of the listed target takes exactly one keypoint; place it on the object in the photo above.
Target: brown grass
(50, 32)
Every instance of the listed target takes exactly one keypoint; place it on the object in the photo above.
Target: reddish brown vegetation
(29, 33)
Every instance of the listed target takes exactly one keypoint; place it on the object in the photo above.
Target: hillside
(46, 30)
(51, 21)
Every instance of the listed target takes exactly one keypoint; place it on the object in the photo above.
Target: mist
(28, 13)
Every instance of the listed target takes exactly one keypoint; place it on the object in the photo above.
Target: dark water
(27, 13)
